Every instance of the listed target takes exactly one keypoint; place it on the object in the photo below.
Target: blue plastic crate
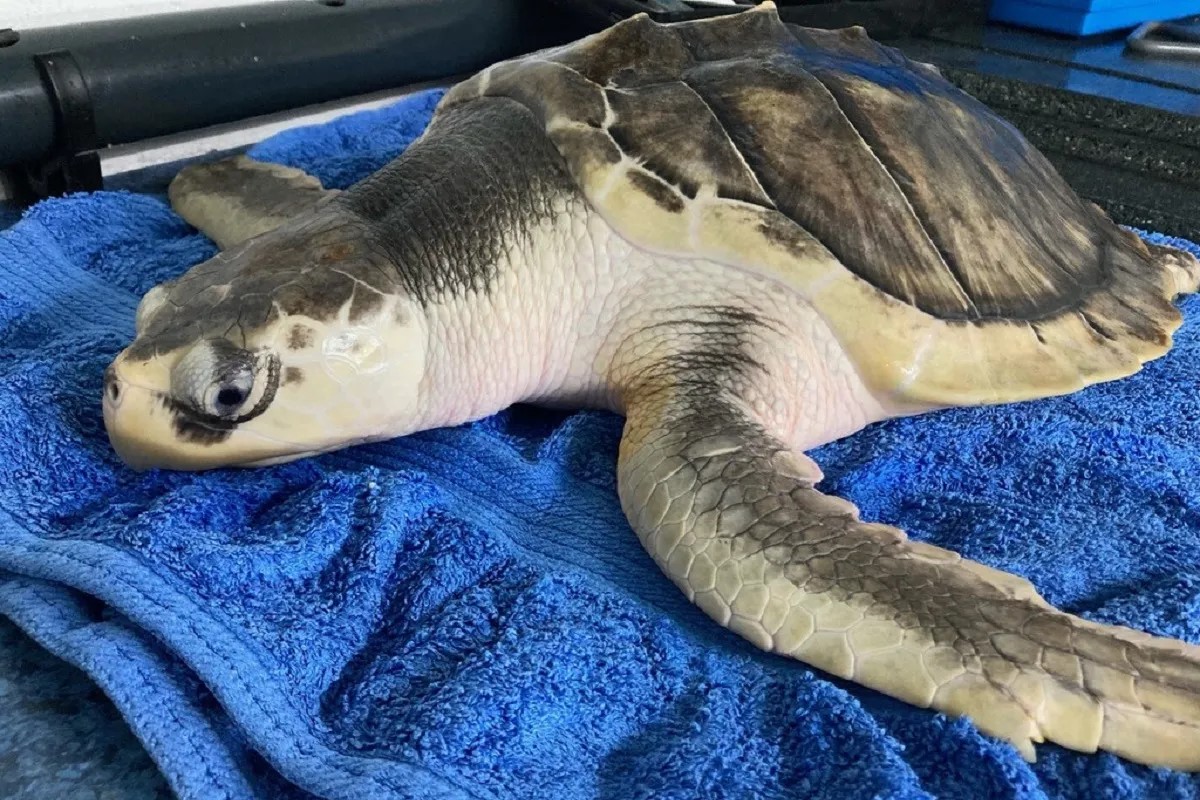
(1085, 17)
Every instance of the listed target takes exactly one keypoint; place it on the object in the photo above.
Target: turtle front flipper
(238, 198)
(731, 515)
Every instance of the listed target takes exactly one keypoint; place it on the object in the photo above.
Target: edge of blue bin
(1088, 21)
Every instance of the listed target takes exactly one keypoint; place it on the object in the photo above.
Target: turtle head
(256, 357)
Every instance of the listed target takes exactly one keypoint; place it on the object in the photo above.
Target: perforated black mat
(1123, 129)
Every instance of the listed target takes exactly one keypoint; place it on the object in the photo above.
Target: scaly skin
(732, 516)
(875, 228)
(724, 382)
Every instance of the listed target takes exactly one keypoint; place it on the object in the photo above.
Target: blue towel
(466, 613)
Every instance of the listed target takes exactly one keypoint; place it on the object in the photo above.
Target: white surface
(126, 158)
(27, 14)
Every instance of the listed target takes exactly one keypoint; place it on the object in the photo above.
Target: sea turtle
(749, 239)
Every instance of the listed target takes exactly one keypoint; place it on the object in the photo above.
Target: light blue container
(1084, 17)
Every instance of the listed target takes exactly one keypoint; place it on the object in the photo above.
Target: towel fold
(465, 613)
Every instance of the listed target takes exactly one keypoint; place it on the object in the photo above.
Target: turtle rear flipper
(238, 198)
(731, 515)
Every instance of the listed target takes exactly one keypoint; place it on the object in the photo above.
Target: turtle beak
(115, 394)
(143, 431)
(147, 431)
(136, 426)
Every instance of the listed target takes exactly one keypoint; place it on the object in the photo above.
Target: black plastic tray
(1124, 131)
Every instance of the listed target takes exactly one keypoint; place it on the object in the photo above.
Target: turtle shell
(948, 257)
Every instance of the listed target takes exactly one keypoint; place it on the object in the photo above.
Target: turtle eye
(226, 397)
(230, 397)
(214, 377)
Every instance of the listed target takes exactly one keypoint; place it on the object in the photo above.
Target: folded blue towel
(466, 613)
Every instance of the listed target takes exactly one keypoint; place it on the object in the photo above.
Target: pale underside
(714, 485)
(965, 270)
(725, 504)
(952, 265)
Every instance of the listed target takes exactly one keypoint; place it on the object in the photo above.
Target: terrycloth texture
(466, 613)
(60, 736)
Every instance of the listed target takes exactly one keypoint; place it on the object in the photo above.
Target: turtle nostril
(112, 387)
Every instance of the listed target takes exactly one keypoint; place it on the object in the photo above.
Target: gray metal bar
(1186, 43)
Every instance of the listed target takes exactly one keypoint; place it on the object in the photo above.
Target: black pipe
(153, 76)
